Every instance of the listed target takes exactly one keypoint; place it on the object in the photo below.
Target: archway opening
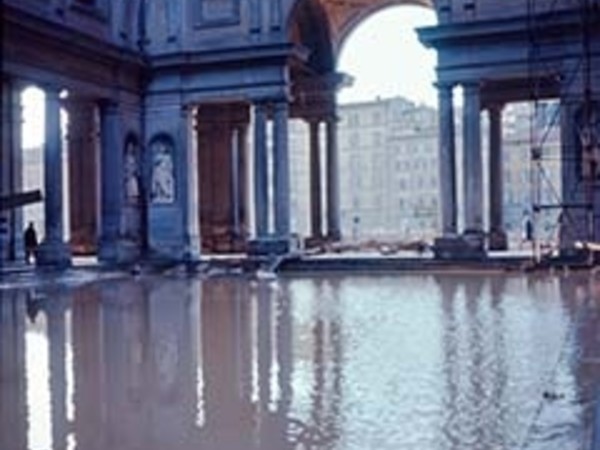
(387, 130)
(34, 120)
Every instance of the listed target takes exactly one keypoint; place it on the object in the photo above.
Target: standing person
(527, 230)
(30, 238)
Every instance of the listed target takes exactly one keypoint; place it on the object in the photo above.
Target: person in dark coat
(31, 243)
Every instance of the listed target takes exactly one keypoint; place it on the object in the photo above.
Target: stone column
(11, 179)
(83, 186)
(53, 250)
(189, 182)
(497, 233)
(238, 184)
(333, 189)
(573, 220)
(472, 160)
(243, 181)
(111, 168)
(261, 172)
(281, 169)
(316, 218)
(447, 160)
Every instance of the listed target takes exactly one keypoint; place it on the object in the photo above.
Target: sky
(383, 55)
(386, 59)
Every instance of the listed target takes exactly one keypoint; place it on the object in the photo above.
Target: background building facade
(389, 179)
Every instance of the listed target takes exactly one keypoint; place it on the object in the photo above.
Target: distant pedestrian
(527, 231)
(31, 243)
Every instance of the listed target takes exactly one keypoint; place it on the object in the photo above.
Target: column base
(498, 240)
(53, 253)
(273, 246)
(468, 246)
(334, 236)
(314, 241)
(119, 252)
(168, 252)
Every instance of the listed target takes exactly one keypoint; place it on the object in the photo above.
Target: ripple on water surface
(331, 362)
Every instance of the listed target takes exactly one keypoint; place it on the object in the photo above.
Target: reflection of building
(125, 369)
(389, 170)
(520, 174)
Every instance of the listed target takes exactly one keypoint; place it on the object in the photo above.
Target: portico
(178, 138)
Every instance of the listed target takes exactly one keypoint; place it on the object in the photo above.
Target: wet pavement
(425, 362)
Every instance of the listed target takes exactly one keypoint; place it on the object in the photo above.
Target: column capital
(442, 85)
(108, 105)
(471, 87)
(314, 119)
(495, 107)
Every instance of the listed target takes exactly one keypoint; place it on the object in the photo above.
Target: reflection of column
(337, 358)
(284, 351)
(315, 180)
(497, 235)
(58, 377)
(53, 250)
(319, 370)
(447, 161)
(261, 178)
(472, 162)
(13, 403)
(110, 198)
(169, 372)
(87, 362)
(281, 170)
(264, 350)
(333, 195)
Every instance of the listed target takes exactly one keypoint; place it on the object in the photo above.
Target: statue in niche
(131, 173)
(162, 187)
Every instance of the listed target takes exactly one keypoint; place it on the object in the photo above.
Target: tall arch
(353, 19)
(342, 17)
(308, 26)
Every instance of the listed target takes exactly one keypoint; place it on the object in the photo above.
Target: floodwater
(416, 362)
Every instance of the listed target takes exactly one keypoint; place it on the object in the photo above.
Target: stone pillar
(333, 189)
(111, 166)
(497, 234)
(83, 185)
(472, 160)
(53, 250)
(235, 200)
(447, 160)
(11, 179)
(316, 219)
(261, 172)
(573, 220)
(281, 169)
(238, 183)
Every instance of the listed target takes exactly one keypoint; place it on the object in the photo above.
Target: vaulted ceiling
(344, 15)
(321, 26)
